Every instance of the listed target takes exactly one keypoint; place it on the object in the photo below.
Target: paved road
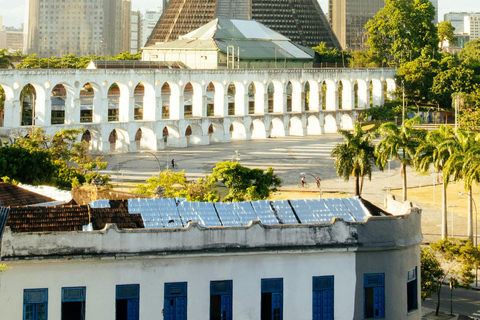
(465, 302)
(289, 157)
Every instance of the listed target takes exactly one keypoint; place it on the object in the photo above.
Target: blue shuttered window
(175, 301)
(374, 295)
(35, 303)
(127, 302)
(73, 303)
(221, 300)
(323, 298)
(412, 290)
(272, 299)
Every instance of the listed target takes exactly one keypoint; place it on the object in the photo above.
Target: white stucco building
(472, 26)
(356, 267)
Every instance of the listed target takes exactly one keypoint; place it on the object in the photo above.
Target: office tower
(472, 25)
(149, 21)
(348, 19)
(302, 21)
(81, 27)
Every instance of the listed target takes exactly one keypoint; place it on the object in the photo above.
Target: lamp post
(452, 217)
(476, 230)
(456, 111)
(403, 101)
(158, 161)
(319, 185)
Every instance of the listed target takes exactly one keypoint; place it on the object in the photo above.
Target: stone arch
(289, 92)
(119, 140)
(210, 93)
(362, 94)
(312, 95)
(330, 124)
(257, 129)
(231, 93)
(113, 97)
(313, 126)
(88, 100)
(324, 89)
(29, 104)
(166, 93)
(390, 87)
(94, 139)
(238, 131)
(192, 94)
(236, 99)
(194, 134)
(138, 101)
(277, 128)
(275, 97)
(149, 101)
(377, 93)
(146, 139)
(295, 127)
(355, 94)
(295, 95)
(58, 101)
(340, 95)
(7, 94)
(215, 132)
(346, 122)
(171, 135)
(332, 95)
(346, 94)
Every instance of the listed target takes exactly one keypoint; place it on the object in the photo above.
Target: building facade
(11, 38)
(83, 27)
(148, 22)
(301, 21)
(331, 270)
(348, 19)
(472, 26)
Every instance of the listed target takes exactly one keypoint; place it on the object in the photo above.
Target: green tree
(400, 144)
(355, 156)
(469, 109)
(430, 272)
(402, 29)
(452, 80)
(457, 259)
(470, 55)
(446, 32)
(6, 60)
(331, 55)
(364, 59)
(245, 183)
(434, 151)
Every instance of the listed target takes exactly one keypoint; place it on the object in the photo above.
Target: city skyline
(14, 13)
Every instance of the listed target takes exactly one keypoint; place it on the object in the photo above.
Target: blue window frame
(221, 300)
(127, 302)
(175, 301)
(374, 295)
(272, 299)
(412, 290)
(323, 298)
(35, 302)
(73, 303)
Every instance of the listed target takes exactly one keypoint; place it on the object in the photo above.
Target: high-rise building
(135, 31)
(11, 38)
(302, 21)
(435, 4)
(149, 20)
(472, 26)
(81, 27)
(458, 20)
(348, 19)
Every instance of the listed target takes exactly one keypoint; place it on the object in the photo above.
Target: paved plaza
(289, 156)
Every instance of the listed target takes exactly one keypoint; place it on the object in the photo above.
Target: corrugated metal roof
(3, 219)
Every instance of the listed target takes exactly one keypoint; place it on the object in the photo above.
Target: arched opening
(238, 131)
(355, 90)
(377, 93)
(370, 93)
(138, 95)
(93, 138)
(361, 93)
(58, 96)
(113, 96)
(145, 139)
(257, 129)
(276, 128)
(306, 90)
(210, 99)
(330, 124)
(87, 95)
(192, 95)
(271, 97)
(231, 93)
(346, 122)
(2, 106)
(28, 98)
(86, 136)
(166, 96)
(215, 133)
(188, 101)
(313, 126)
(289, 96)
(340, 95)
(119, 140)
(193, 133)
(171, 135)
(324, 95)
(295, 127)
(390, 89)
(251, 98)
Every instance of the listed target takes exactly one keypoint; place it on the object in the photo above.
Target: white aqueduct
(128, 110)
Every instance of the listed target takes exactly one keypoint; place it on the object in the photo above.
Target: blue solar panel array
(176, 213)
(100, 204)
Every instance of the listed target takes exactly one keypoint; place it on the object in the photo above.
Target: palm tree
(355, 156)
(434, 151)
(5, 59)
(464, 164)
(399, 143)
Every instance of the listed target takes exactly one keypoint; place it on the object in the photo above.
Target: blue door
(378, 302)
(132, 309)
(175, 302)
(226, 307)
(272, 299)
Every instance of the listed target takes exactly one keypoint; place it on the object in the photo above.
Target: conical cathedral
(303, 21)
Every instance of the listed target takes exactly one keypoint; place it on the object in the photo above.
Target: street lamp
(476, 231)
(158, 161)
(319, 184)
(403, 101)
(452, 217)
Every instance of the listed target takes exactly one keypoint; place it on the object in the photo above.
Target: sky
(13, 11)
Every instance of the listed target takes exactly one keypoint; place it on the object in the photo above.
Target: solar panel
(245, 212)
(149, 211)
(169, 212)
(99, 204)
(338, 209)
(305, 212)
(188, 212)
(208, 215)
(227, 214)
(264, 212)
(284, 212)
(357, 209)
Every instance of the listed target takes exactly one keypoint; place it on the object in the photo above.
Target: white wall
(100, 276)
